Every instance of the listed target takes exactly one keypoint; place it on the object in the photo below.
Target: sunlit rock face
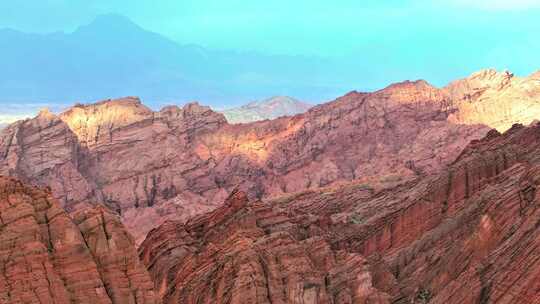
(465, 235)
(94, 123)
(177, 162)
(496, 99)
(270, 108)
(50, 257)
(45, 151)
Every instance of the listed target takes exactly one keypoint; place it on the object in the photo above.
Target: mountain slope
(270, 108)
(174, 163)
(469, 234)
(496, 99)
(151, 166)
(48, 257)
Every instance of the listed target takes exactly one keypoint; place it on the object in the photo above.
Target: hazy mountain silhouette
(269, 108)
(113, 56)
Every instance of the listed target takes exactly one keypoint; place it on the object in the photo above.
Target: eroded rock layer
(468, 234)
(48, 257)
(177, 162)
(150, 166)
(254, 253)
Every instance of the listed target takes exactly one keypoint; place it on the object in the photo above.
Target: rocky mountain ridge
(177, 162)
(468, 234)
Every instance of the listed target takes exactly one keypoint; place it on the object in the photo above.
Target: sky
(436, 40)
(303, 27)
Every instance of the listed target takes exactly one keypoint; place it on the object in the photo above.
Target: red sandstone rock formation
(254, 253)
(151, 166)
(47, 257)
(469, 234)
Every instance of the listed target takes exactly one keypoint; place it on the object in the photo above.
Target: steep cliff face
(469, 234)
(177, 162)
(45, 151)
(47, 257)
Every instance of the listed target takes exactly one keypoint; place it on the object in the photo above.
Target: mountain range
(112, 56)
(149, 166)
(409, 194)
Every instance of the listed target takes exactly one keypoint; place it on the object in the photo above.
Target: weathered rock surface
(94, 123)
(45, 151)
(496, 99)
(270, 108)
(48, 257)
(468, 234)
(254, 253)
(153, 166)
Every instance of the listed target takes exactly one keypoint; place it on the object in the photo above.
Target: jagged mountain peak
(407, 92)
(494, 98)
(128, 101)
(483, 79)
(116, 111)
(46, 113)
(87, 121)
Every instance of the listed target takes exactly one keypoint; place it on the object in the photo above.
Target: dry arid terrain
(469, 234)
(410, 194)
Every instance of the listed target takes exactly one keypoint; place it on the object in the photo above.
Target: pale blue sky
(329, 28)
(379, 41)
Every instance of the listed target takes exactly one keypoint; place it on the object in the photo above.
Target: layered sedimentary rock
(96, 122)
(254, 253)
(45, 151)
(48, 257)
(468, 234)
(177, 162)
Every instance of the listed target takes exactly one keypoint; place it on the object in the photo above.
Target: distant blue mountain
(114, 57)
